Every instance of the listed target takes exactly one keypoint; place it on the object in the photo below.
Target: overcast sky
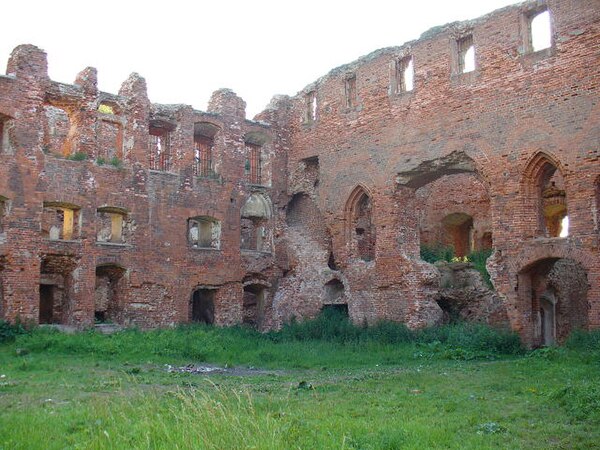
(187, 49)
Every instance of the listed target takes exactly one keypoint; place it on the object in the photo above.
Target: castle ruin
(113, 208)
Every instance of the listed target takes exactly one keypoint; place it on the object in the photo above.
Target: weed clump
(9, 332)
(466, 340)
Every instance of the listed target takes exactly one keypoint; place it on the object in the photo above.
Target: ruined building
(475, 135)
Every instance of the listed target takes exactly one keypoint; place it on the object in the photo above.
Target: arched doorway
(554, 296)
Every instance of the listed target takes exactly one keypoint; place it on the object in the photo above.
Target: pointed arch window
(359, 218)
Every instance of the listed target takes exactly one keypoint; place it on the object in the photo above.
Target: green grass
(383, 387)
(78, 156)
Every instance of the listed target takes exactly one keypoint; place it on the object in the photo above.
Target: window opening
(58, 222)
(540, 31)
(311, 106)
(254, 163)
(350, 90)
(203, 147)
(404, 75)
(204, 232)
(111, 224)
(160, 148)
(466, 55)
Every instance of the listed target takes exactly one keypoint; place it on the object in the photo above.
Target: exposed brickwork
(324, 199)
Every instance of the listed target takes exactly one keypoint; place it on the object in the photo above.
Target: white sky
(186, 49)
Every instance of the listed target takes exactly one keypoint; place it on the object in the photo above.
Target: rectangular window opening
(204, 232)
(404, 75)
(59, 222)
(311, 106)
(540, 31)
(254, 163)
(466, 54)
(203, 164)
(350, 90)
(160, 148)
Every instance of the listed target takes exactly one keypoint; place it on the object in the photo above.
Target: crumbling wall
(356, 170)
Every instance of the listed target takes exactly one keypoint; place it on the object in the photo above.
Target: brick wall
(476, 143)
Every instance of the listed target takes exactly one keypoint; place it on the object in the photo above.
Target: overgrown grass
(379, 387)
(333, 326)
(439, 252)
(331, 339)
(479, 260)
(436, 252)
(78, 156)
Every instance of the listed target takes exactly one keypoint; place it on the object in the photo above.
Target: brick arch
(536, 164)
(360, 231)
(483, 169)
(541, 169)
(354, 197)
(531, 255)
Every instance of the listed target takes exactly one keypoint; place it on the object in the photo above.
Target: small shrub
(581, 400)
(479, 260)
(79, 156)
(436, 252)
(588, 341)
(100, 161)
(8, 331)
(115, 162)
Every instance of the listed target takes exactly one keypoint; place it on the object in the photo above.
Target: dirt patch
(207, 369)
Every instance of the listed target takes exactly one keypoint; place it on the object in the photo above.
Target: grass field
(324, 384)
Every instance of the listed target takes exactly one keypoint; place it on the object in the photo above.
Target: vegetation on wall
(439, 252)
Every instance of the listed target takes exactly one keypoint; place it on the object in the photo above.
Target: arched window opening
(255, 227)
(361, 228)
(458, 233)
(544, 187)
(202, 306)
(466, 54)
(554, 220)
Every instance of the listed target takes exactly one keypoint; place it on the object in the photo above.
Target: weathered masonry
(479, 135)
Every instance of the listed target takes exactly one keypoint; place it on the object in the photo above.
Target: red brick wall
(455, 143)
(514, 105)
